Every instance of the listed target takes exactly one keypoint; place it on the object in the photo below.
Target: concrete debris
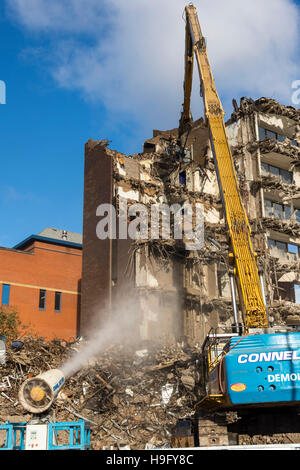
(264, 105)
(290, 227)
(142, 353)
(285, 313)
(166, 393)
(129, 400)
(268, 183)
(271, 145)
(188, 381)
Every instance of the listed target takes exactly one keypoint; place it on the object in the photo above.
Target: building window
(279, 211)
(283, 175)
(281, 246)
(268, 208)
(287, 212)
(284, 247)
(57, 303)
(271, 243)
(42, 300)
(266, 134)
(182, 177)
(5, 294)
(294, 249)
(286, 292)
(274, 171)
(286, 176)
(297, 294)
(149, 147)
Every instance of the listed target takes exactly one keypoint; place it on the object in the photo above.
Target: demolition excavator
(254, 364)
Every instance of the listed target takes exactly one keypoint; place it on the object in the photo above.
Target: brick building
(41, 279)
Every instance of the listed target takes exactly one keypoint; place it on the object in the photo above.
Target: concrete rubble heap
(186, 293)
(141, 398)
(131, 397)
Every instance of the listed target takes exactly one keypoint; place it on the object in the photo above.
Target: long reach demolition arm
(242, 257)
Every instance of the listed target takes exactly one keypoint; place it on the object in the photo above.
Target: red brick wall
(97, 262)
(45, 266)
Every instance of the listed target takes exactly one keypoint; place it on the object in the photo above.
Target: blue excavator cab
(262, 369)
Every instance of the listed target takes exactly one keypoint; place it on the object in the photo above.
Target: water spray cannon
(38, 393)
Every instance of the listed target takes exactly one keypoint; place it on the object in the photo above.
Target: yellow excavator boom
(239, 231)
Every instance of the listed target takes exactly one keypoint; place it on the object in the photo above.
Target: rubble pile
(271, 183)
(131, 397)
(285, 313)
(290, 227)
(264, 105)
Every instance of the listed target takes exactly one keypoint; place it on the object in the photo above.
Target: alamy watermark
(2, 92)
(296, 94)
(160, 221)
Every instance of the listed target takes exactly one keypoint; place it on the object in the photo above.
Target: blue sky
(76, 70)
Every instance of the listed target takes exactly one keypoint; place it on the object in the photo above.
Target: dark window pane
(57, 301)
(42, 301)
(278, 211)
(268, 208)
(265, 169)
(5, 294)
(182, 177)
(270, 134)
(294, 142)
(298, 216)
(281, 137)
(261, 133)
(286, 176)
(287, 212)
(271, 243)
(281, 246)
(274, 170)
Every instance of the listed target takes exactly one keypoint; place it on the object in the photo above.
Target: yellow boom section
(238, 225)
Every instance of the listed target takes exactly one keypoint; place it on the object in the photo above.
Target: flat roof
(54, 241)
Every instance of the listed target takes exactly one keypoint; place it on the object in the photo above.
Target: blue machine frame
(79, 435)
(11, 430)
(263, 369)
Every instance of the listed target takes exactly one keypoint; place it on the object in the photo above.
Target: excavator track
(248, 428)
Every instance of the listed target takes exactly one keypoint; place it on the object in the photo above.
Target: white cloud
(129, 54)
(79, 16)
(12, 195)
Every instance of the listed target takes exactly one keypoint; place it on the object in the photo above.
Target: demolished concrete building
(180, 293)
